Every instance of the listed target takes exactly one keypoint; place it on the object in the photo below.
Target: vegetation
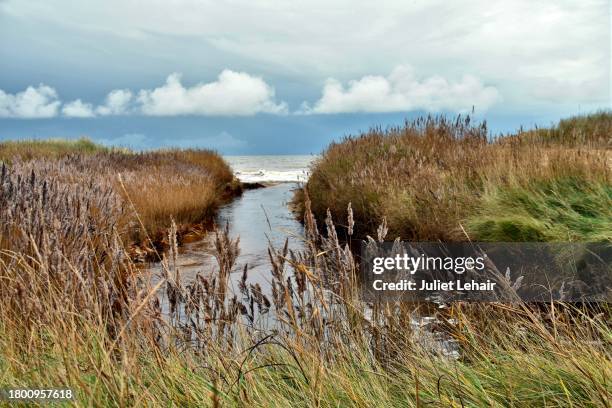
(563, 209)
(76, 312)
(593, 130)
(95, 324)
(47, 148)
(440, 179)
(151, 188)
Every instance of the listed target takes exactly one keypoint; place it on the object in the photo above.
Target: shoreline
(140, 253)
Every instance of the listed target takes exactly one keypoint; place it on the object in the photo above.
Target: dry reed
(75, 312)
(438, 179)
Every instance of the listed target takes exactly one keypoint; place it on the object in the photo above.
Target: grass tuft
(153, 187)
(438, 179)
(48, 148)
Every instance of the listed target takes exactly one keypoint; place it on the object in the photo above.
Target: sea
(271, 169)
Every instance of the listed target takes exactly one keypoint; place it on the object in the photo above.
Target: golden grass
(96, 328)
(47, 148)
(154, 187)
(588, 131)
(75, 311)
(435, 178)
(184, 185)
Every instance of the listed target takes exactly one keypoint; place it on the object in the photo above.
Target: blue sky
(256, 77)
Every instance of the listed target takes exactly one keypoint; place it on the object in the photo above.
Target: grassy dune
(47, 148)
(440, 179)
(591, 131)
(149, 188)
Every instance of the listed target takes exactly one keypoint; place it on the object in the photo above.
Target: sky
(289, 77)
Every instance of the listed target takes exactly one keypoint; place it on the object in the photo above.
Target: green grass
(567, 209)
(76, 312)
(50, 148)
(516, 361)
(593, 130)
(438, 179)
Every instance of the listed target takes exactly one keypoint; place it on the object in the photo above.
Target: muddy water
(258, 217)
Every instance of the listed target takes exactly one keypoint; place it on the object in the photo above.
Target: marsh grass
(48, 148)
(153, 187)
(185, 185)
(441, 179)
(561, 209)
(101, 332)
(591, 131)
(76, 312)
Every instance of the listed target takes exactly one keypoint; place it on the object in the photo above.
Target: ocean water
(289, 168)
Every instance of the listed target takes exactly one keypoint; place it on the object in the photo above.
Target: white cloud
(523, 47)
(117, 103)
(508, 43)
(39, 102)
(233, 93)
(78, 109)
(403, 91)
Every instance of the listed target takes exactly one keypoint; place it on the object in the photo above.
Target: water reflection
(258, 217)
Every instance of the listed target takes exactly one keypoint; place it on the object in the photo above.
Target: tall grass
(153, 187)
(568, 209)
(76, 312)
(592, 130)
(38, 148)
(437, 178)
(185, 185)
(101, 332)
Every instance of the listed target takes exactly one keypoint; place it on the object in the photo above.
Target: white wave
(263, 175)
(273, 169)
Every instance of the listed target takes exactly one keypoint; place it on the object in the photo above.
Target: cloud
(78, 109)
(402, 91)
(117, 103)
(508, 43)
(233, 93)
(34, 102)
